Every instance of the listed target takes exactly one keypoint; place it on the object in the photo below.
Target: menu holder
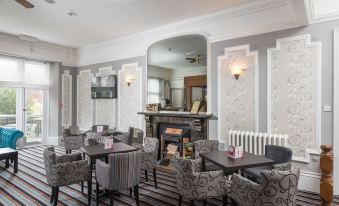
(100, 129)
(109, 143)
(235, 152)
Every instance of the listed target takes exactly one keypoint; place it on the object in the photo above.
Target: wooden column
(326, 181)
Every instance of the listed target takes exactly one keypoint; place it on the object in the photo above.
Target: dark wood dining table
(97, 151)
(229, 164)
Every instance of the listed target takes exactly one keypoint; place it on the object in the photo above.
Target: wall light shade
(129, 81)
(237, 71)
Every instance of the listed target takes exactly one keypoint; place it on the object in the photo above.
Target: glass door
(34, 116)
(8, 107)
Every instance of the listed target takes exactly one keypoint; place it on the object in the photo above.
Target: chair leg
(224, 200)
(52, 195)
(136, 192)
(180, 200)
(130, 192)
(82, 187)
(233, 203)
(192, 202)
(89, 190)
(155, 178)
(204, 202)
(56, 195)
(66, 151)
(111, 200)
(97, 193)
(70, 151)
(146, 175)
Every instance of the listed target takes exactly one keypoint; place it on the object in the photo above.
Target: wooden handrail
(326, 181)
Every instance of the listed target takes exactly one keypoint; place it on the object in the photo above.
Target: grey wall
(322, 32)
(116, 66)
(54, 99)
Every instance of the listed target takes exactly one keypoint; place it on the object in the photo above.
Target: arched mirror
(177, 73)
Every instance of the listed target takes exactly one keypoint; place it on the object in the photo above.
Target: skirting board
(309, 181)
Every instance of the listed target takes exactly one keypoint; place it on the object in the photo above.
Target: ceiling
(171, 53)
(99, 20)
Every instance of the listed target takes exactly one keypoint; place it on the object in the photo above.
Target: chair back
(203, 146)
(9, 137)
(279, 154)
(125, 170)
(49, 160)
(95, 128)
(130, 135)
(280, 185)
(183, 173)
(138, 136)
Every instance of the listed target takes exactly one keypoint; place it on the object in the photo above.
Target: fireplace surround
(197, 124)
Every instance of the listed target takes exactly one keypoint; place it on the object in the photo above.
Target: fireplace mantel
(200, 115)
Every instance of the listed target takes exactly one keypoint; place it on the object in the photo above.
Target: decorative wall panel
(105, 108)
(294, 92)
(237, 106)
(84, 100)
(129, 97)
(66, 99)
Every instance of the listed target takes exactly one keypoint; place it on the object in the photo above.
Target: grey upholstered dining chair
(138, 137)
(66, 170)
(121, 173)
(196, 185)
(282, 157)
(278, 188)
(149, 157)
(203, 146)
(71, 141)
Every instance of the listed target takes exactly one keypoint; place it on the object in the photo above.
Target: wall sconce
(237, 70)
(129, 81)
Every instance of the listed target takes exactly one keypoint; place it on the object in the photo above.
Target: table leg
(16, 163)
(7, 163)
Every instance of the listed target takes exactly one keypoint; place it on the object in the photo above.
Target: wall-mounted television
(104, 87)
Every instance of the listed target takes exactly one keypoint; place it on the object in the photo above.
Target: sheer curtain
(153, 91)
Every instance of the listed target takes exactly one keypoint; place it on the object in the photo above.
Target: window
(153, 91)
(23, 71)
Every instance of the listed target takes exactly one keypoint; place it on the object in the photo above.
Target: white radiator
(254, 142)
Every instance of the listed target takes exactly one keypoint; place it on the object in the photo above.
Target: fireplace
(172, 134)
(179, 126)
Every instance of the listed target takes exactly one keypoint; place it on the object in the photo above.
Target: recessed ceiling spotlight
(71, 13)
(50, 1)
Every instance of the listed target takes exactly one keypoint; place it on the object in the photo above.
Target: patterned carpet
(28, 186)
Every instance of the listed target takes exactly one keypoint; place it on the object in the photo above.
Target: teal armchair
(9, 136)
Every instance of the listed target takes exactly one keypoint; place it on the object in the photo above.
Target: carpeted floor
(28, 186)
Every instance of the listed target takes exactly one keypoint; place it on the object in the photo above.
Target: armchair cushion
(9, 136)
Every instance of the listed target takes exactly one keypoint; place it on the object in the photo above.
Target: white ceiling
(99, 20)
(171, 53)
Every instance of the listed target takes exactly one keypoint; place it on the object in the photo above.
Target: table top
(7, 150)
(230, 164)
(99, 150)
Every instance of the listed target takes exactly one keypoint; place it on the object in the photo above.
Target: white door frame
(20, 101)
(336, 109)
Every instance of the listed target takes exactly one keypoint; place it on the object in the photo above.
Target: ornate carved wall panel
(66, 99)
(84, 100)
(105, 108)
(294, 98)
(237, 106)
(129, 97)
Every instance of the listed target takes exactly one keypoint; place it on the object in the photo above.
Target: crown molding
(313, 18)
